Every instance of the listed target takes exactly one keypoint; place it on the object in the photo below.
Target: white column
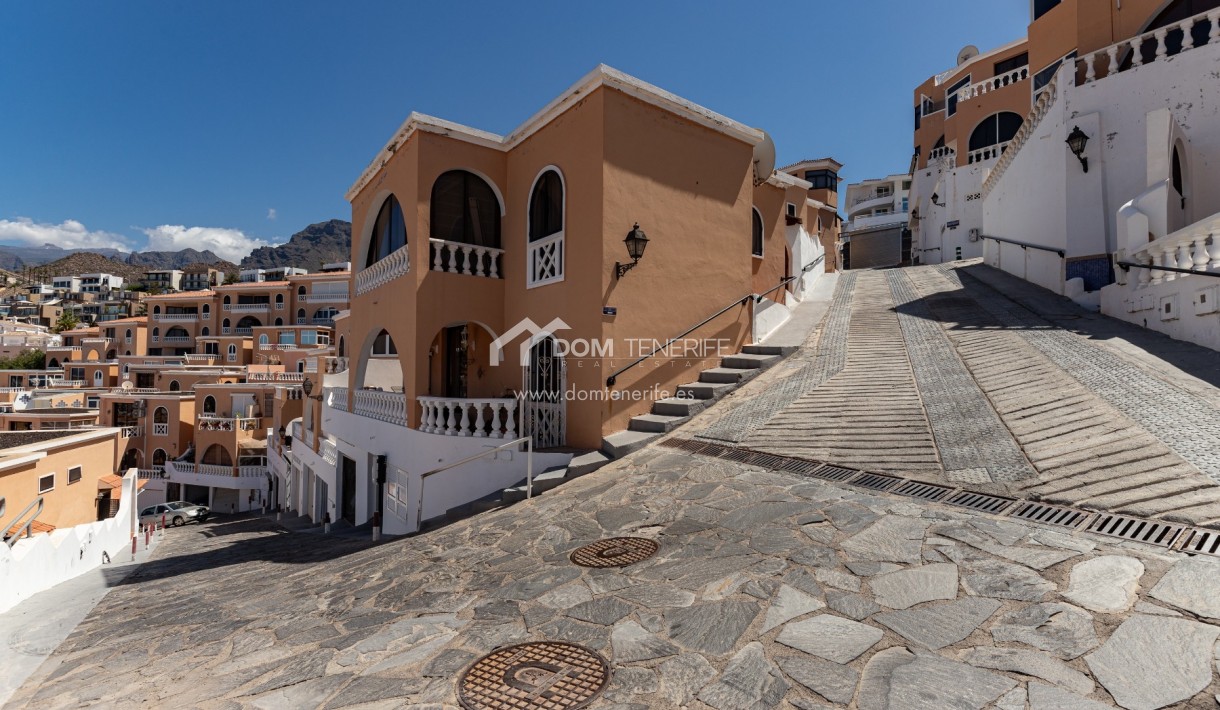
(1214, 252)
(1200, 258)
(1090, 74)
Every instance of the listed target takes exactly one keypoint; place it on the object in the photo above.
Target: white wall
(1192, 314)
(959, 189)
(43, 561)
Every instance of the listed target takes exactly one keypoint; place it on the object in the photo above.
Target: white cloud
(68, 234)
(271, 214)
(230, 244)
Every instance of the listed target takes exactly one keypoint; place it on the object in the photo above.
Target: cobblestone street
(769, 589)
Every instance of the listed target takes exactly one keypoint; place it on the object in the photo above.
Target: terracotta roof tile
(36, 527)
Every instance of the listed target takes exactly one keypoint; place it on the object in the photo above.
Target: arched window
(174, 386)
(1178, 183)
(156, 333)
(205, 332)
(465, 209)
(546, 231)
(300, 292)
(156, 310)
(227, 302)
(279, 300)
(232, 353)
(53, 363)
(756, 233)
(991, 136)
(209, 405)
(389, 234)
(217, 455)
(207, 310)
(279, 322)
(248, 322)
(161, 415)
(128, 336)
(324, 314)
(300, 316)
(159, 457)
(384, 344)
(225, 327)
(111, 354)
(263, 340)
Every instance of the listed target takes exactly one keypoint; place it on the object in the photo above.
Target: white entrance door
(544, 384)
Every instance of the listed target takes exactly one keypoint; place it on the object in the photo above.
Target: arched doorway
(544, 382)
(217, 455)
(131, 459)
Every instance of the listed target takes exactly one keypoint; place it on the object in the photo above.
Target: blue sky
(228, 124)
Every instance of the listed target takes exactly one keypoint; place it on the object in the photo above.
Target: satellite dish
(128, 385)
(764, 159)
(968, 52)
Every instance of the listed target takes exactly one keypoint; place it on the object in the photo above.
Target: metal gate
(544, 410)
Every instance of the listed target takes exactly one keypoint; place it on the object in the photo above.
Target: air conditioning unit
(975, 234)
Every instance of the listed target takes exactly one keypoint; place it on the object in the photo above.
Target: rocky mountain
(317, 244)
(84, 262)
(173, 259)
(14, 258)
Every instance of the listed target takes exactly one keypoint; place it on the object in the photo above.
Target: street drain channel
(534, 676)
(614, 552)
(1193, 541)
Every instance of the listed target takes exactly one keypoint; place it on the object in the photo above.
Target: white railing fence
(468, 259)
(1168, 41)
(546, 260)
(390, 407)
(491, 418)
(384, 271)
(995, 83)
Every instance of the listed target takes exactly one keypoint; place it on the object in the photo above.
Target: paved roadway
(769, 590)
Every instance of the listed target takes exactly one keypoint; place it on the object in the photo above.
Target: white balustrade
(1112, 57)
(324, 298)
(384, 271)
(160, 429)
(275, 377)
(390, 407)
(175, 317)
(177, 339)
(942, 152)
(995, 83)
(70, 348)
(251, 471)
(154, 472)
(338, 397)
(1195, 248)
(329, 451)
(207, 469)
(131, 432)
(991, 152)
(248, 307)
(480, 418)
(468, 259)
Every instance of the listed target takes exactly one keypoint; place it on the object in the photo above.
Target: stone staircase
(666, 415)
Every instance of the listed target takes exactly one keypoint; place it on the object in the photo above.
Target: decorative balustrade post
(1154, 259)
(1214, 252)
(436, 257)
(1184, 259)
(449, 419)
(1162, 51)
(1145, 274)
(1090, 73)
(1112, 53)
(466, 260)
(478, 419)
(495, 421)
(510, 423)
(494, 267)
(462, 419)
(1214, 34)
(1167, 259)
(1188, 37)
(1137, 56)
(1200, 258)
(452, 248)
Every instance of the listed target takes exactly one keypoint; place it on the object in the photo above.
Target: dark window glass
(756, 243)
(1012, 64)
(1178, 183)
(546, 206)
(1042, 78)
(918, 115)
(1041, 7)
(465, 209)
(74, 474)
(951, 95)
(997, 128)
(389, 232)
(822, 179)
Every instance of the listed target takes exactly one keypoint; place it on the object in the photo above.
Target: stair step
(767, 350)
(705, 391)
(679, 406)
(543, 482)
(657, 423)
(727, 375)
(619, 444)
(748, 361)
(586, 463)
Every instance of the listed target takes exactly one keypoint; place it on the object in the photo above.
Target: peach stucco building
(463, 239)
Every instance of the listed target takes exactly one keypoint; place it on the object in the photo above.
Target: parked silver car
(176, 513)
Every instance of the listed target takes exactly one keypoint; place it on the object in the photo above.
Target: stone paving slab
(769, 590)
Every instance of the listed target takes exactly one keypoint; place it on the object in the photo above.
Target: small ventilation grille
(1201, 542)
(926, 491)
(1050, 514)
(980, 502)
(1147, 531)
(877, 482)
(834, 473)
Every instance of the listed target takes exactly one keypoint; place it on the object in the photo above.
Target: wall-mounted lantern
(1076, 141)
(636, 242)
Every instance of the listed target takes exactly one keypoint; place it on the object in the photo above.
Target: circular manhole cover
(545, 675)
(615, 552)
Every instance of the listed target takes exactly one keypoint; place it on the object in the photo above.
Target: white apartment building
(877, 213)
(100, 283)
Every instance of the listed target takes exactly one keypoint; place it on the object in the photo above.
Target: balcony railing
(175, 317)
(201, 358)
(995, 83)
(384, 271)
(152, 473)
(1195, 248)
(1115, 53)
(468, 259)
(176, 339)
(389, 407)
(324, 298)
(207, 469)
(134, 390)
(337, 397)
(489, 418)
(243, 331)
(131, 432)
(275, 377)
(228, 423)
(942, 152)
(991, 152)
(247, 307)
(70, 348)
(160, 429)
(329, 452)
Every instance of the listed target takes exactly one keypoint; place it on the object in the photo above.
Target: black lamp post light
(636, 242)
(1076, 141)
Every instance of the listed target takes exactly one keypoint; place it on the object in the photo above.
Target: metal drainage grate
(835, 473)
(980, 502)
(1201, 542)
(543, 676)
(736, 455)
(769, 461)
(926, 491)
(1153, 533)
(877, 482)
(614, 552)
(1050, 514)
(799, 466)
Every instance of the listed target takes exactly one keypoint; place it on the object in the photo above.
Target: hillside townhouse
(876, 233)
(1101, 189)
(618, 217)
(200, 277)
(162, 280)
(822, 174)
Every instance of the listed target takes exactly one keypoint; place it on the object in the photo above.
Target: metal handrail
(756, 297)
(1027, 245)
(23, 530)
(529, 471)
(1126, 266)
